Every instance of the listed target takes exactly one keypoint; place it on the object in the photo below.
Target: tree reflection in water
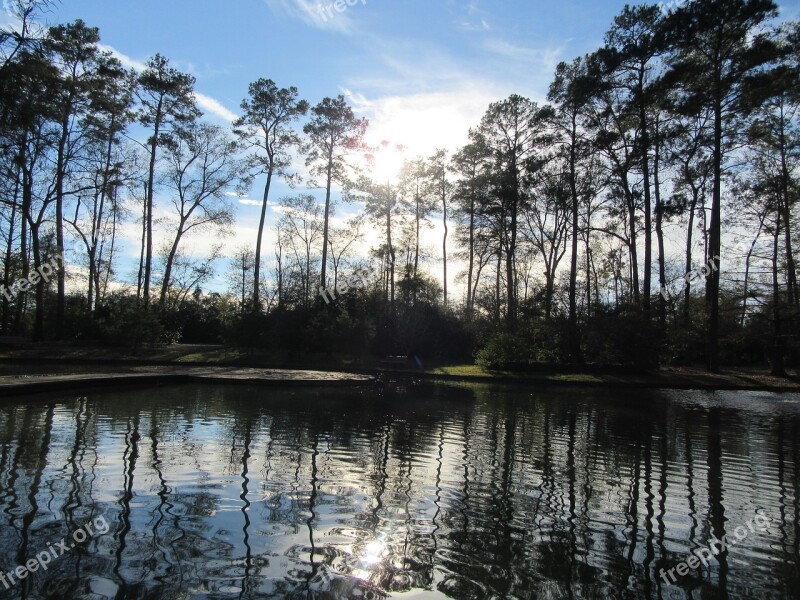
(470, 492)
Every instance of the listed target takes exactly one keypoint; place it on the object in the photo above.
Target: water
(403, 491)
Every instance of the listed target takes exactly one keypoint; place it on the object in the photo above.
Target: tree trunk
(279, 261)
(91, 278)
(9, 250)
(574, 344)
(97, 219)
(648, 233)
(477, 281)
(257, 265)
(444, 239)
(778, 368)
(60, 173)
(148, 225)
(548, 294)
(110, 260)
(390, 248)
(662, 269)
(416, 248)
(746, 281)
(687, 291)
(712, 281)
(26, 221)
(511, 283)
(335, 262)
(168, 266)
(307, 278)
(38, 322)
(142, 248)
(327, 213)
(497, 284)
(634, 253)
(791, 272)
(588, 271)
(470, 295)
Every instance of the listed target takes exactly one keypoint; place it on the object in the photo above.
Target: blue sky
(422, 71)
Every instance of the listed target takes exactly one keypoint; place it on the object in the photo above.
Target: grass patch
(474, 371)
(216, 357)
(478, 372)
(576, 378)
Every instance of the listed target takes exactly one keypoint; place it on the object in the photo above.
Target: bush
(626, 338)
(503, 351)
(535, 342)
(123, 321)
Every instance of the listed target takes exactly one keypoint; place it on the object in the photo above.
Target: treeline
(591, 228)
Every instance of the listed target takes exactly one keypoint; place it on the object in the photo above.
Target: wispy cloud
(403, 66)
(545, 57)
(479, 25)
(475, 17)
(423, 97)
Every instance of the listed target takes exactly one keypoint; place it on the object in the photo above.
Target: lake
(400, 490)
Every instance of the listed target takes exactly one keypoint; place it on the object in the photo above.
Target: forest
(642, 215)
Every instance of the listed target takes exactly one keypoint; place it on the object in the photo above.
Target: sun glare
(373, 552)
(419, 123)
(388, 162)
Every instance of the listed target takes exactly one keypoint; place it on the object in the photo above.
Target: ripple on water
(425, 492)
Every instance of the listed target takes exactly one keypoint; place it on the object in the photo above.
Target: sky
(422, 71)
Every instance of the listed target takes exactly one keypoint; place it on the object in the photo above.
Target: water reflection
(471, 492)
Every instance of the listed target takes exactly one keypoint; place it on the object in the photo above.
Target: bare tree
(300, 229)
(240, 274)
(202, 165)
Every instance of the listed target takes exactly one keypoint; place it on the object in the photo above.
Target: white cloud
(271, 204)
(215, 107)
(127, 61)
(424, 122)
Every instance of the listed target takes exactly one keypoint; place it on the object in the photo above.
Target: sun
(405, 127)
(387, 161)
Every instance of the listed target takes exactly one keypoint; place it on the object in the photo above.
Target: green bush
(503, 350)
(123, 321)
(531, 343)
(622, 338)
